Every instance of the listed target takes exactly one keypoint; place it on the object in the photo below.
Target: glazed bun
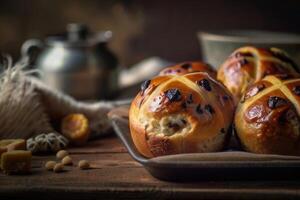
(249, 64)
(267, 118)
(180, 114)
(189, 67)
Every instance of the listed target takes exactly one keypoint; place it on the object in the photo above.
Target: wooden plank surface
(115, 175)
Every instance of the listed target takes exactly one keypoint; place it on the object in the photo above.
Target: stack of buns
(191, 108)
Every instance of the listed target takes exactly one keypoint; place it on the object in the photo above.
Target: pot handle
(103, 36)
(30, 50)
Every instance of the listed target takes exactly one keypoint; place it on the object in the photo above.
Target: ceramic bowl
(218, 45)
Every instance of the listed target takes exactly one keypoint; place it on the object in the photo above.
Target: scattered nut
(61, 154)
(67, 160)
(83, 164)
(50, 165)
(58, 167)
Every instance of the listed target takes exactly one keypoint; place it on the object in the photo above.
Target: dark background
(143, 28)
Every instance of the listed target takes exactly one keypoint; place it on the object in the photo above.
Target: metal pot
(77, 62)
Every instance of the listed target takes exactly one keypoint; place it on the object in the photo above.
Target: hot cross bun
(189, 67)
(247, 65)
(180, 114)
(267, 118)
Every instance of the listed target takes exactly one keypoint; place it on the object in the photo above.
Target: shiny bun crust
(189, 67)
(180, 114)
(249, 64)
(267, 118)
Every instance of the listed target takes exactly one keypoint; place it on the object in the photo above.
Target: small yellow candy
(13, 144)
(16, 162)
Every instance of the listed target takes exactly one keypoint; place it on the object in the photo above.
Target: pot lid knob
(77, 32)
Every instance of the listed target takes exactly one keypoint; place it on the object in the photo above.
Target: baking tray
(228, 165)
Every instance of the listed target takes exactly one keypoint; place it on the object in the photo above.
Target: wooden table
(116, 176)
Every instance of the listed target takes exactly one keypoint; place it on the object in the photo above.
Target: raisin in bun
(189, 67)
(180, 114)
(267, 118)
(249, 64)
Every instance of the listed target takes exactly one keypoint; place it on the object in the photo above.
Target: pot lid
(78, 35)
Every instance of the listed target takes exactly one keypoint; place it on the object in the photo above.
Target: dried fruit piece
(75, 127)
(209, 109)
(284, 76)
(205, 84)
(190, 99)
(173, 94)
(50, 165)
(243, 62)
(67, 161)
(183, 105)
(282, 56)
(240, 54)
(296, 90)
(186, 65)
(225, 97)
(16, 162)
(145, 85)
(199, 109)
(275, 102)
(254, 91)
(83, 164)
